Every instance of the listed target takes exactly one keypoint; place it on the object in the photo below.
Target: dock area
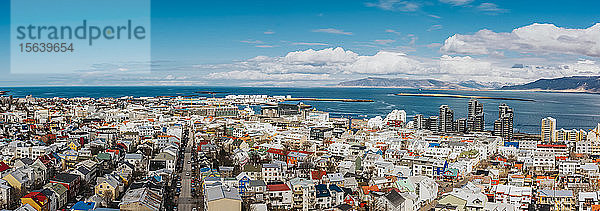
(326, 100)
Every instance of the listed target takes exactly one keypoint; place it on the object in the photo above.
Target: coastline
(584, 91)
(463, 96)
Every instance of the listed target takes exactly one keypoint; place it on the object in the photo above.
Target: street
(186, 201)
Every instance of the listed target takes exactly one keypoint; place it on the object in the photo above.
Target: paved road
(186, 201)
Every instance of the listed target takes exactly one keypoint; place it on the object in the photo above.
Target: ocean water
(572, 110)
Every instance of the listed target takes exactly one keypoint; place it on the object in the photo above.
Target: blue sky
(217, 37)
(212, 30)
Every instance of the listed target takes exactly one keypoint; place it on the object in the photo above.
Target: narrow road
(186, 201)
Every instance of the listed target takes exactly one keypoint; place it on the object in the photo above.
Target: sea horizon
(527, 114)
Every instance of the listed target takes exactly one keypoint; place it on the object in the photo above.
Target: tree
(107, 195)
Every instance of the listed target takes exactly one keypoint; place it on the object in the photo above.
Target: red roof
(276, 151)
(300, 151)
(116, 151)
(317, 175)
(367, 189)
(552, 145)
(46, 159)
(278, 187)
(38, 197)
(3, 166)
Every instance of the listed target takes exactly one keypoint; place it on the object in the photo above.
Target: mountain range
(416, 83)
(589, 84)
(568, 84)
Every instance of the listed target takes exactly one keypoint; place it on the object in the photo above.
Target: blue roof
(322, 191)
(514, 144)
(157, 178)
(80, 205)
(335, 188)
(434, 144)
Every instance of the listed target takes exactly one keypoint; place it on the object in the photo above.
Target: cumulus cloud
(329, 64)
(321, 57)
(316, 67)
(464, 65)
(535, 38)
(332, 65)
(387, 63)
(501, 70)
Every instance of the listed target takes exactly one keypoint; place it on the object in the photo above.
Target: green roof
(56, 187)
(251, 168)
(103, 156)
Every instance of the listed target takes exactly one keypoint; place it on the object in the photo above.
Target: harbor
(327, 100)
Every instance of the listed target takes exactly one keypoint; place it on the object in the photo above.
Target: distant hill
(574, 84)
(413, 83)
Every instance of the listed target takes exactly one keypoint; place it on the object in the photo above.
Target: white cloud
(395, 5)
(535, 38)
(464, 65)
(434, 45)
(387, 63)
(269, 32)
(332, 65)
(502, 70)
(321, 57)
(434, 16)
(252, 75)
(456, 2)
(393, 32)
(584, 67)
(329, 64)
(435, 27)
(413, 39)
(315, 67)
(252, 41)
(333, 31)
(490, 8)
(384, 41)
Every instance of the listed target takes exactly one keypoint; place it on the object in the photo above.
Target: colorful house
(70, 181)
(108, 189)
(83, 206)
(74, 145)
(243, 181)
(37, 200)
